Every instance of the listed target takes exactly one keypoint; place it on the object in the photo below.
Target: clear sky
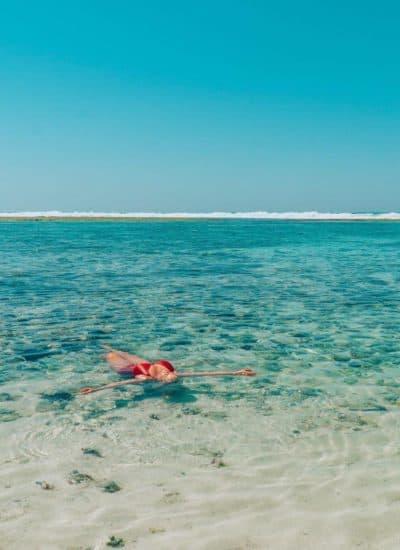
(199, 106)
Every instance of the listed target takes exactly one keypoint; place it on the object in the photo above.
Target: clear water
(313, 307)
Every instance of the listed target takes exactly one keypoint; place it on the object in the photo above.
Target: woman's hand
(246, 372)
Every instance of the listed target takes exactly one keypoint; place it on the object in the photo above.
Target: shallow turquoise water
(311, 300)
(313, 307)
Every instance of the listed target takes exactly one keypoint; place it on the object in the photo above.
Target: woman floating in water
(141, 370)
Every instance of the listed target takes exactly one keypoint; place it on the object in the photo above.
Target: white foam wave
(312, 215)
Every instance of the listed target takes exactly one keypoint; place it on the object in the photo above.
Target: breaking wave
(260, 215)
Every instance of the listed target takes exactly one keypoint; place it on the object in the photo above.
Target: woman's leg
(116, 362)
(133, 359)
(122, 365)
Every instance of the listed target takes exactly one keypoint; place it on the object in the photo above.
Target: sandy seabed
(258, 481)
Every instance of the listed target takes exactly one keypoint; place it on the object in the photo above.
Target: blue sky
(199, 106)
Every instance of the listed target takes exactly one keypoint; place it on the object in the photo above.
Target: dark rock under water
(116, 542)
(77, 478)
(111, 487)
(92, 452)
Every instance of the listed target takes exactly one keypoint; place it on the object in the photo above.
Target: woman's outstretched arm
(140, 379)
(241, 372)
(136, 380)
